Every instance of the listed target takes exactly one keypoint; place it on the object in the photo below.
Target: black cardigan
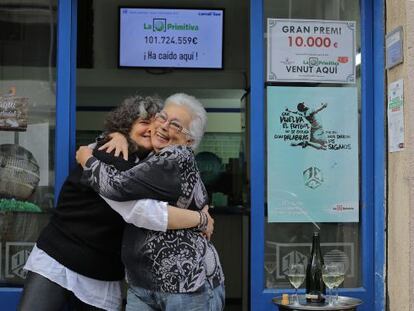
(84, 234)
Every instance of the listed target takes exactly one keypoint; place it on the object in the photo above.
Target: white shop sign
(315, 51)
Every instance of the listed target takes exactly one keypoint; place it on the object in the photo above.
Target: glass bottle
(315, 288)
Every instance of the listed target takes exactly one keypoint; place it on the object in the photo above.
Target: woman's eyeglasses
(174, 124)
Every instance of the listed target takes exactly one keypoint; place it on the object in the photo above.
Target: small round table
(344, 304)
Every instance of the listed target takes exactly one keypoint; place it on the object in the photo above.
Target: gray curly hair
(122, 118)
(198, 122)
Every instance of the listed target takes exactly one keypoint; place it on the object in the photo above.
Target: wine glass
(329, 277)
(296, 276)
(340, 278)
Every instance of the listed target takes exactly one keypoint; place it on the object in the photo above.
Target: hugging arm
(117, 143)
(156, 178)
(162, 216)
(159, 216)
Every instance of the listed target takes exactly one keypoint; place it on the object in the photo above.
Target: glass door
(286, 210)
(27, 127)
(34, 128)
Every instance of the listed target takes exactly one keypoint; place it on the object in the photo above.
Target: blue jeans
(205, 299)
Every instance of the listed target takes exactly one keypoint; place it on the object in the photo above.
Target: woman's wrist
(83, 154)
(203, 222)
(88, 163)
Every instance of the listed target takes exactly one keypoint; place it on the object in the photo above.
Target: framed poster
(312, 154)
(301, 50)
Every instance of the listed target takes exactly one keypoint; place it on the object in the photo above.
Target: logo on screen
(159, 24)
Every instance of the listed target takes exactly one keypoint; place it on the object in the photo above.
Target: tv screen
(170, 38)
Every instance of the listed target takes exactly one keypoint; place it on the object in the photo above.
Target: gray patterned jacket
(176, 261)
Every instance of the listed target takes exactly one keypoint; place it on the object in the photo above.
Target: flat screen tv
(171, 38)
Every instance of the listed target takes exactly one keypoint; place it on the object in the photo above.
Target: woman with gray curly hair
(76, 260)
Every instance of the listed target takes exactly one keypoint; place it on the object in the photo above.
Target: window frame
(65, 114)
(372, 160)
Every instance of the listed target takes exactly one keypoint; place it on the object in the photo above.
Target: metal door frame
(372, 161)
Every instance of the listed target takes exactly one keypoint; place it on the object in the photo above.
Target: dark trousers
(41, 294)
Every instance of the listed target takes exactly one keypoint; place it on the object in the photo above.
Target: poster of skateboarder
(312, 154)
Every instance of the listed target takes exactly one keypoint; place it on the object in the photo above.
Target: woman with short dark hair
(77, 258)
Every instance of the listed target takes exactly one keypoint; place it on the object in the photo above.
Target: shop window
(27, 121)
(289, 241)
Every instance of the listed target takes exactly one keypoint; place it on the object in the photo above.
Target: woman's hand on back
(118, 143)
(83, 154)
(210, 223)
